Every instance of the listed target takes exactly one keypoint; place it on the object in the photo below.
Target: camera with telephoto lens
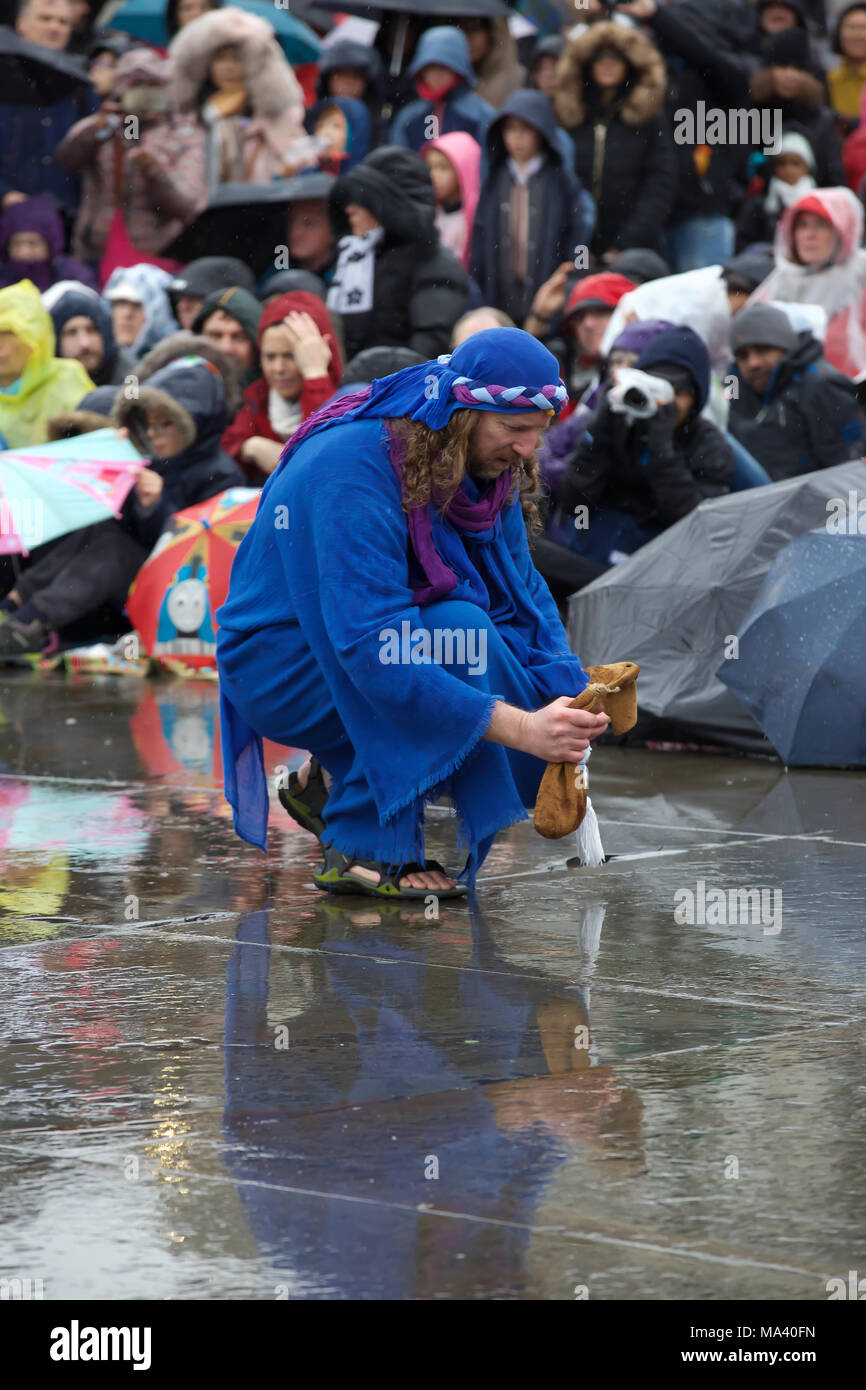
(638, 395)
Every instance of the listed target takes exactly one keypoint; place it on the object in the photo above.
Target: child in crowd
(533, 213)
(454, 162)
(301, 370)
(32, 245)
(789, 175)
(443, 76)
(343, 123)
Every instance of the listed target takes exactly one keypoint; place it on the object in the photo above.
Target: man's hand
(557, 734)
(148, 487)
(311, 352)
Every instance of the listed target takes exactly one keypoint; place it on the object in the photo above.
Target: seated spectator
(533, 213)
(230, 71)
(637, 477)
(82, 328)
(175, 422)
(310, 238)
(788, 84)
(349, 69)
(443, 76)
(560, 442)
(343, 123)
(791, 409)
(742, 275)
(846, 81)
(137, 195)
(301, 369)
(31, 246)
(476, 321)
(288, 282)
(230, 320)
(493, 53)
(394, 285)
(186, 344)
(373, 363)
(789, 174)
(820, 260)
(610, 95)
(31, 131)
(34, 384)
(206, 275)
(454, 163)
(583, 322)
(140, 308)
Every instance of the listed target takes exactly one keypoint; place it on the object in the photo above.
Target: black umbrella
(247, 220)
(32, 75)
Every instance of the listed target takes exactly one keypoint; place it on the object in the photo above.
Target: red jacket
(252, 419)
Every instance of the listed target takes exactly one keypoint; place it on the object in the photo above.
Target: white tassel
(590, 850)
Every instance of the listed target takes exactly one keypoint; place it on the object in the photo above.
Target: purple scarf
(462, 511)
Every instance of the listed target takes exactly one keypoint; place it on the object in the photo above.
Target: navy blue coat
(567, 209)
(28, 146)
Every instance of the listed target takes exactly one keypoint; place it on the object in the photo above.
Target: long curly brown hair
(435, 461)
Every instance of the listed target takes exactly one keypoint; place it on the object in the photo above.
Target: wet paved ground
(217, 1084)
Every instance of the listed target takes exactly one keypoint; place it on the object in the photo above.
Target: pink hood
(838, 206)
(465, 154)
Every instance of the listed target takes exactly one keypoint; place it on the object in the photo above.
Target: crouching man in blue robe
(384, 613)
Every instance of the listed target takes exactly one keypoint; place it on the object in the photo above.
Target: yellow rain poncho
(49, 385)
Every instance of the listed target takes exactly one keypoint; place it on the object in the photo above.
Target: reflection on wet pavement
(600, 1083)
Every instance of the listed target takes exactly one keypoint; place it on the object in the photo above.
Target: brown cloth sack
(561, 802)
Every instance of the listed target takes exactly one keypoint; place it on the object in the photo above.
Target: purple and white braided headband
(471, 392)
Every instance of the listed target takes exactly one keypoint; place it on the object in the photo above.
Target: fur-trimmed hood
(186, 344)
(270, 81)
(74, 422)
(645, 96)
(500, 72)
(190, 392)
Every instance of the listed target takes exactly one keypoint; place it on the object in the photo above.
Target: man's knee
(459, 635)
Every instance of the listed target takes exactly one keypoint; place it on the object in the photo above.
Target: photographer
(647, 457)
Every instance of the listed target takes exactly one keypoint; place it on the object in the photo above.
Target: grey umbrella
(801, 664)
(675, 604)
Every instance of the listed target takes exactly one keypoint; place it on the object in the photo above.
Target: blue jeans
(697, 242)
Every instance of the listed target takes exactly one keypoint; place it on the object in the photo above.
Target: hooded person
(584, 319)
(175, 421)
(137, 296)
(637, 476)
(34, 384)
(230, 318)
(186, 344)
(301, 370)
(789, 88)
(201, 277)
(444, 80)
(454, 163)
(350, 69)
(137, 193)
(820, 260)
(532, 212)
(32, 242)
(610, 94)
(230, 71)
(82, 330)
(289, 282)
(393, 285)
(790, 174)
(493, 53)
(428, 469)
(791, 409)
(344, 124)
